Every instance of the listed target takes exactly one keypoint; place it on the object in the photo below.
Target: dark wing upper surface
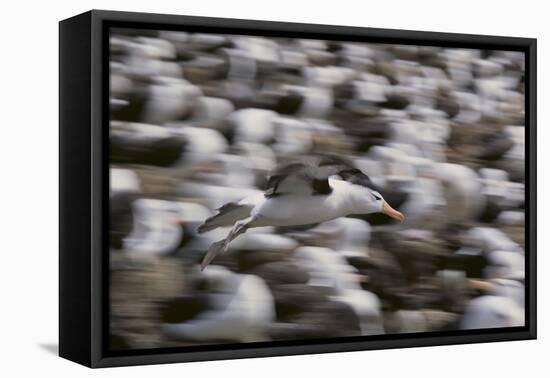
(310, 175)
(357, 177)
(299, 178)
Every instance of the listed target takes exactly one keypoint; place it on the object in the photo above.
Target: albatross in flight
(312, 190)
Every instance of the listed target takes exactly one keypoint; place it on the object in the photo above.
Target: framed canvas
(234, 188)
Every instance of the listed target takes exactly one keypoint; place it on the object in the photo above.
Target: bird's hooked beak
(390, 211)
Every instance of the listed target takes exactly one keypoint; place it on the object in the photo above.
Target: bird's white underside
(300, 209)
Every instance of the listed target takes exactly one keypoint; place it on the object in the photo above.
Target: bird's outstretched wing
(348, 171)
(310, 175)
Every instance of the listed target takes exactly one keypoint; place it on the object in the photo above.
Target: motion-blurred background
(198, 120)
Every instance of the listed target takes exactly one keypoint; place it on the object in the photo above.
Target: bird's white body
(300, 209)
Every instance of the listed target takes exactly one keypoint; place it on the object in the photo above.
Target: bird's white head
(369, 201)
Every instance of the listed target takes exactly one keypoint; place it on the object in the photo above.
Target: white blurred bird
(302, 192)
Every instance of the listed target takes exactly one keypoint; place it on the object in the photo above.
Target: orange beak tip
(391, 212)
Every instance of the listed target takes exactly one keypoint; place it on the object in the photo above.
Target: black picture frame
(84, 193)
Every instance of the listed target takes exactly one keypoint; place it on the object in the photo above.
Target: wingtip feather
(214, 249)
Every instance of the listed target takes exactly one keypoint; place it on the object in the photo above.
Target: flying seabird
(311, 190)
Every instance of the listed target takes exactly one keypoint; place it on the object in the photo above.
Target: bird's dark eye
(376, 197)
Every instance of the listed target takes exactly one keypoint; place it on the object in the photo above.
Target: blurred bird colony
(199, 120)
